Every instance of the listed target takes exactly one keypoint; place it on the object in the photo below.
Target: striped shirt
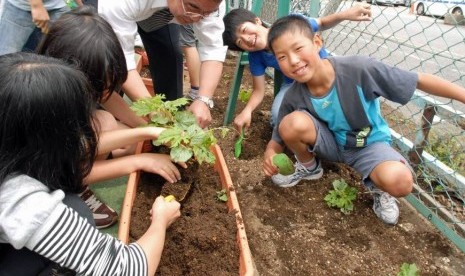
(33, 217)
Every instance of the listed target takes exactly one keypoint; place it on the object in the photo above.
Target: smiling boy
(332, 112)
(244, 31)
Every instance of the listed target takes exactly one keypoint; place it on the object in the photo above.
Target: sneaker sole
(312, 177)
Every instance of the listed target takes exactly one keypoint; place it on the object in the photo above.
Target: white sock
(309, 165)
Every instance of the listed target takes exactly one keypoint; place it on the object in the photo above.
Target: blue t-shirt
(356, 76)
(260, 60)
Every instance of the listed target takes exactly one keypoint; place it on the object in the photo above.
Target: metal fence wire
(429, 131)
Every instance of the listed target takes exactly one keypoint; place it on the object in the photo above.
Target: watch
(205, 100)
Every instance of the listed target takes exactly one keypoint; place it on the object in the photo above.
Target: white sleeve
(25, 204)
(124, 26)
(209, 32)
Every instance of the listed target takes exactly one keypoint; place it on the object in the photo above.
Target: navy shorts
(363, 160)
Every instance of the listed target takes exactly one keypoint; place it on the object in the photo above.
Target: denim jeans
(16, 26)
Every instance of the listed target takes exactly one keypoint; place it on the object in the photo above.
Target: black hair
(45, 121)
(83, 36)
(232, 21)
(290, 23)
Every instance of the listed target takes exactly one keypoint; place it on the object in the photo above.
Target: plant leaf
(180, 154)
(238, 144)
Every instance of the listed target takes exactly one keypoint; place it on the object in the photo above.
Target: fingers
(170, 173)
(42, 25)
(182, 164)
(165, 211)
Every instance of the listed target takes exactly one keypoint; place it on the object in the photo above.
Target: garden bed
(208, 239)
(293, 232)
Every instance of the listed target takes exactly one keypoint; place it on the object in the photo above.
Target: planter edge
(246, 265)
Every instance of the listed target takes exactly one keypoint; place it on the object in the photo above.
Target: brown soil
(203, 240)
(291, 231)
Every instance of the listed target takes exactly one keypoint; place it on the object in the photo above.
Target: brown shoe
(103, 215)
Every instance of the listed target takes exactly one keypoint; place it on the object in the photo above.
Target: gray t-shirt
(353, 97)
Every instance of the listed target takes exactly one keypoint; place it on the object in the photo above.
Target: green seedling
(183, 135)
(238, 144)
(408, 270)
(342, 196)
(284, 164)
(222, 195)
(244, 95)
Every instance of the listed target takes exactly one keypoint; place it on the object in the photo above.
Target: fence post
(283, 8)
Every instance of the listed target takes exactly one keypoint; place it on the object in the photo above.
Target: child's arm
(244, 118)
(119, 108)
(134, 87)
(160, 164)
(440, 87)
(356, 13)
(115, 139)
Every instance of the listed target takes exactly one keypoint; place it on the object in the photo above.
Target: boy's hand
(243, 120)
(268, 167)
(360, 12)
(40, 16)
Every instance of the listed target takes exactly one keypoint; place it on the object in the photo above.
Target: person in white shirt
(149, 18)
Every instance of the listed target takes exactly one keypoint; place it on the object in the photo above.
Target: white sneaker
(385, 206)
(300, 173)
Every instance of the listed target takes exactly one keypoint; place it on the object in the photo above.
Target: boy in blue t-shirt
(332, 111)
(244, 31)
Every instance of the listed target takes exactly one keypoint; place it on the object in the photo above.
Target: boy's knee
(400, 183)
(294, 123)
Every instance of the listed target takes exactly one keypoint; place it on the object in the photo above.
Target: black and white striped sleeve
(73, 243)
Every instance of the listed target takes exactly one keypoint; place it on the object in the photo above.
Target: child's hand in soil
(160, 164)
(165, 212)
(243, 120)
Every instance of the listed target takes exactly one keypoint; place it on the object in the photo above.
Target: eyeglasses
(198, 16)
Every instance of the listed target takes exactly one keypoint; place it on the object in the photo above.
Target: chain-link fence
(429, 131)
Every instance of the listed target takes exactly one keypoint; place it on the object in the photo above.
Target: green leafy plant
(448, 149)
(284, 164)
(183, 135)
(244, 95)
(238, 144)
(222, 195)
(342, 196)
(408, 270)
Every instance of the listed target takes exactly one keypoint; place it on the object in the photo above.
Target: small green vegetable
(238, 144)
(408, 270)
(284, 164)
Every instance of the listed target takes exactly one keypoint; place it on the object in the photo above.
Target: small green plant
(408, 270)
(222, 195)
(342, 196)
(449, 150)
(244, 95)
(238, 144)
(183, 135)
(284, 164)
